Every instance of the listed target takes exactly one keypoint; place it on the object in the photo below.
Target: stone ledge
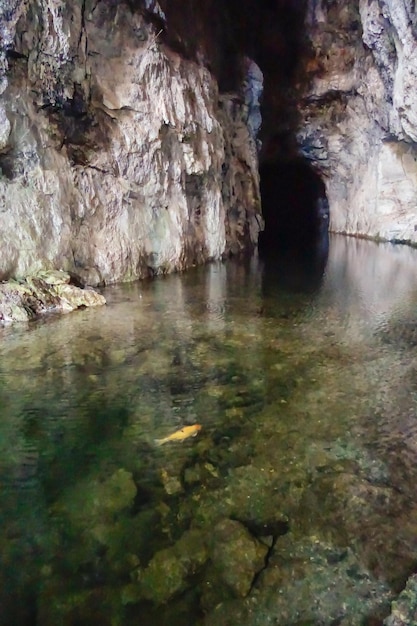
(47, 291)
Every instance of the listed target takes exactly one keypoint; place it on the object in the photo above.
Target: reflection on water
(303, 379)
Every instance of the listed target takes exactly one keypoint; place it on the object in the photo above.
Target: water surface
(304, 382)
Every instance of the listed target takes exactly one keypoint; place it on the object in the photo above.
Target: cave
(99, 140)
(272, 33)
(294, 205)
(140, 139)
(294, 202)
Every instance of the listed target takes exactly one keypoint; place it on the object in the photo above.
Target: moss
(237, 556)
(171, 570)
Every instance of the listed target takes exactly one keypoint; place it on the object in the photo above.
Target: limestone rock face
(119, 159)
(359, 114)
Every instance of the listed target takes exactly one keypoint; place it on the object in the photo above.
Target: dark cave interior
(272, 33)
(294, 204)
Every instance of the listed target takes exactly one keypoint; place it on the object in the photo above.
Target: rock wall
(119, 158)
(359, 113)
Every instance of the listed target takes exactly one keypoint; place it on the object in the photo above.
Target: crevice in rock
(12, 54)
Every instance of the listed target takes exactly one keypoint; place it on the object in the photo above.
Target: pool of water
(294, 504)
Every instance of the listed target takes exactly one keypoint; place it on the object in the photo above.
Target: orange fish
(181, 434)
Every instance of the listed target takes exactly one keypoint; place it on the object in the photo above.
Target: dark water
(305, 386)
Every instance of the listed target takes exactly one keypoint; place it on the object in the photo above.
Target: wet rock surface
(41, 293)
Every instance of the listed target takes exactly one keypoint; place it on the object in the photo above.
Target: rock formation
(358, 113)
(128, 131)
(45, 292)
(119, 158)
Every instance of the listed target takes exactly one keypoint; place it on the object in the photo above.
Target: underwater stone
(96, 502)
(169, 571)
(60, 607)
(308, 582)
(237, 556)
(251, 495)
(118, 491)
(404, 609)
(164, 577)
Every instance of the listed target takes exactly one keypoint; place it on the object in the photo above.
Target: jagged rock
(72, 297)
(404, 609)
(359, 124)
(43, 292)
(119, 159)
(53, 277)
(12, 299)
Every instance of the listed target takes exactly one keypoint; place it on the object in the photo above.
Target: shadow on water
(295, 268)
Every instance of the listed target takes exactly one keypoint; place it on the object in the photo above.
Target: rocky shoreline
(45, 292)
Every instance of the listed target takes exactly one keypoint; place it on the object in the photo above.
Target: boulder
(237, 556)
(46, 291)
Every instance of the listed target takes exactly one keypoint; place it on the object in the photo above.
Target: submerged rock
(308, 581)
(22, 300)
(230, 558)
(236, 556)
(375, 520)
(169, 571)
(404, 609)
(251, 495)
(98, 501)
(92, 606)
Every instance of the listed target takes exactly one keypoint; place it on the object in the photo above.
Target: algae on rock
(46, 291)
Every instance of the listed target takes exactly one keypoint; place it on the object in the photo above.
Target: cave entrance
(295, 241)
(294, 206)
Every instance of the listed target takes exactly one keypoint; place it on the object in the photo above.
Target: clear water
(304, 383)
